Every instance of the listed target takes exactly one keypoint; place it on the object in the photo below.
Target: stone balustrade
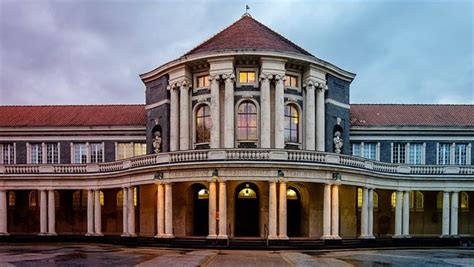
(240, 155)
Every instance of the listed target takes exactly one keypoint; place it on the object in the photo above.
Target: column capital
(229, 77)
(321, 86)
(309, 83)
(185, 83)
(214, 78)
(279, 78)
(264, 77)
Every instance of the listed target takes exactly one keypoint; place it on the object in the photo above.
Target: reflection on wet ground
(110, 255)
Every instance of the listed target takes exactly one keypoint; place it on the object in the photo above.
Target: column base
(371, 237)
(445, 236)
(125, 235)
(90, 234)
(283, 237)
(168, 236)
(326, 237)
(336, 237)
(43, 234)
(222, 237)
(272, 237)
(132, 235)
(52, 234)
(158, 236)
(211, 237)
(4, 234)
(455, 236)
(398, 236)
(98, 234)
(407, 236)
(365, 237)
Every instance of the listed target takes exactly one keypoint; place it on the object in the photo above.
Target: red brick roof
(72, 115)
(248, 34)
(411, 115)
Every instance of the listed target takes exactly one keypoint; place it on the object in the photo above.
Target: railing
(240, 154)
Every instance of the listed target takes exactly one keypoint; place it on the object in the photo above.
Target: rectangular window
(8, 154)
(52, 153)
(96, 152)
(460, 154)
(202, 81)
(36, 153)
(415, 153)
(124, 150)
(370, 150)
(444, 153)
(356, 149)
(398, 155)
(139, 149)
(80, 153)
(247, 77)
(291, 81)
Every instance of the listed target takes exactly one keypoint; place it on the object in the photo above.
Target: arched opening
(293, 219)
(247, 210)
(200, 210)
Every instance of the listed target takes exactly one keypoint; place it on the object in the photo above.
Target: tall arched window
(247, 122)
(292, 120)
(464, 201)
(203, 124)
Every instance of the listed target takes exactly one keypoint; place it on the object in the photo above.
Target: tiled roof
(247, 34)
(412, 115)
(72, 115)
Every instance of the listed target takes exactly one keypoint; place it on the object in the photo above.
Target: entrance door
(247, 214)
(200, 210)
(293, 212)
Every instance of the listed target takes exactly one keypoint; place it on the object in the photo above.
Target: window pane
(444, 154)
(356, 149)
(251, 77)
(460, 154)
(243, 77)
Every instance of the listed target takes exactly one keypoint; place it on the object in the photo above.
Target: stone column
(90, 212)
(398, 215)
(370, 230)
(279, 112)
(125, 211)
(43, 212)
(212, 209)
(229, 112)
(222, 210)
(160, 217)
(184, 116)
(406, 214)
(51, 213)
(3, 212)
(131, 211)
(97, 213)
(320, 120)
(265, 140)
(174, 119)
(282, 213)
(168, 211)
(310, 126)
(327, 212)
(445, 225)
(364, 214)
(272, 211)
(335, 212)
(215, 114)
(454, 213)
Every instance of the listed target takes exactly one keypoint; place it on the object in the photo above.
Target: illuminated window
(247, 192)
(135, 196)
(79, 199)
(119, 198)
(124, 150)
(291, 123)
(376, 200)
(394, 199)
(11, 199)
(464, 201)
(33, 199)
(291, 81)
(202, 81)
(247, 122)
(203, 124)
(80, 153)
(359, 198)
(291, 194)
(439, 200)
(8, 153)
(101, 198)
(416, 200)
(247, 77)
(36, 154)
(203, 194)
(139, 149)
(52, 153)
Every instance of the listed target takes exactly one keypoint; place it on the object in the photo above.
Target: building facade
(246, 135)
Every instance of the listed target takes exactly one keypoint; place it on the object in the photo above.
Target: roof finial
(247, 11)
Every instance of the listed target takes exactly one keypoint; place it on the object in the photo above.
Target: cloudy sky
(84, 52)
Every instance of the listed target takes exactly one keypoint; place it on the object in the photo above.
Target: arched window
(292, 120)
(464, 201)
(291, 194)
(203, 124)
(11, 199)
(359, 198)
(247, 122)
(119, 198)
(417, 200)
(33, 199)
(247, 193)
(203, 194)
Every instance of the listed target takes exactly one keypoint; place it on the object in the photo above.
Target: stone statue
(338, 142)
(157, 142)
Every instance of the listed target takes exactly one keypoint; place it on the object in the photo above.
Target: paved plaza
(109, 255)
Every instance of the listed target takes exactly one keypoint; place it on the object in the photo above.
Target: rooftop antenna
(247, 8)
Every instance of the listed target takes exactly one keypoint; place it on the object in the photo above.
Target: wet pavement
(110, 255)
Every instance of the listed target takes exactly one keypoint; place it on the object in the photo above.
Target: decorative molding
(157, 104)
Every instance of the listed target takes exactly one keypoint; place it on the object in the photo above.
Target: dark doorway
(293, 212)
(247, 213)
(200, 210)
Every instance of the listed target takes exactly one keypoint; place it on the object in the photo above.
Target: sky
(91, 52)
